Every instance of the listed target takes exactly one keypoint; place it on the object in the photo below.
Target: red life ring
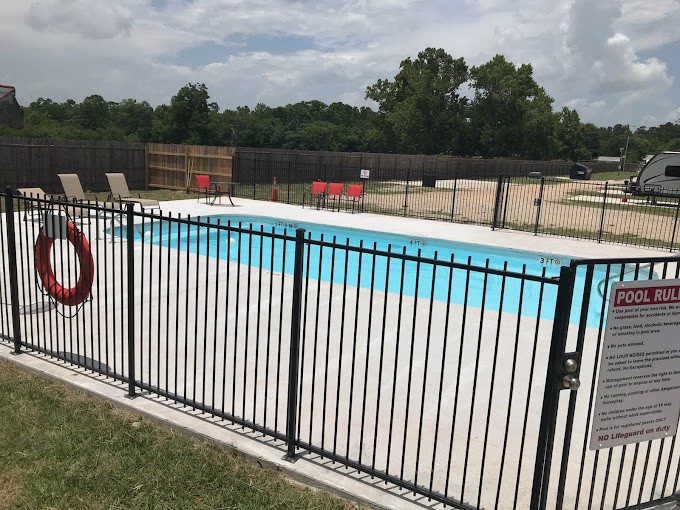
(43, 264)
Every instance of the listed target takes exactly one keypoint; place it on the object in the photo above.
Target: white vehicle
(660, 176)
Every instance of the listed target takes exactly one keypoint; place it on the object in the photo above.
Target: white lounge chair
(73, 191)
(121, 192)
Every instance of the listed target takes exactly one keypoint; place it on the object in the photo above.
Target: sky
(614, 61)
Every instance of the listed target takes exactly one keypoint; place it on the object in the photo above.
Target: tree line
(435, 104)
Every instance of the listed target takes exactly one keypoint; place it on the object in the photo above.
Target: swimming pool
(382, 272)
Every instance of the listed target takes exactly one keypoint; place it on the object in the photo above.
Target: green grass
(612, 176)
(61, 448)
(156, 194)
(664, 210)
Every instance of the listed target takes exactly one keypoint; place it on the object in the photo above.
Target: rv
(660, 176)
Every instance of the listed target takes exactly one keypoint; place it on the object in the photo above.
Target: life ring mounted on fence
(43, 253)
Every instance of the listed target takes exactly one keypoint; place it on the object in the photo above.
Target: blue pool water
(380, 271)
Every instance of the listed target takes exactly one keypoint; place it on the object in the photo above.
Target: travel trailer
(660, 176)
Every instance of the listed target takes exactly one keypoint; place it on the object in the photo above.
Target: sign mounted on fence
(364, 173)
(638, 390)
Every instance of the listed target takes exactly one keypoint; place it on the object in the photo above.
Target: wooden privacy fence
(35, 162)
(29, 162)
(257, 165)
(174, 166)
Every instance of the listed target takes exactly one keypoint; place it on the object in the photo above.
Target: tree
(422, 106)
(507, 100)
(60, 112)
(189, 115)
(591, 135)
(539, 128)
(320, 135)
(134, 119)
(94, 112)
(613, 140)
(570, 136)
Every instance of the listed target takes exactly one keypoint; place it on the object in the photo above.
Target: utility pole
(624, 150)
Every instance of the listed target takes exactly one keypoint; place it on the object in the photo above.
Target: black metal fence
(428, 372)
(638, 475)
(598, 211)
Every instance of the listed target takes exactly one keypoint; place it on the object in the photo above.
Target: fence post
(546, 434)
(12, 259)
(269, 167)
(147, 177)
(497, 202)
(453, 199)
(186, 168)
(675, 225)
(408, 178)
(505, 202)
(130, 231)
(539, 204)
(254, 176)
(288, 187)
(604, 205)
(294, 357)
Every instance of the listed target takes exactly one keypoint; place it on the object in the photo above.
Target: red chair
(319, 191)
(334, 192)
(204, 186)
(355, 194)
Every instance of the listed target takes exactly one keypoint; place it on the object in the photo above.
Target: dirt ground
(567, 208)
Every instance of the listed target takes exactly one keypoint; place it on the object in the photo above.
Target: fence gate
(631, 476)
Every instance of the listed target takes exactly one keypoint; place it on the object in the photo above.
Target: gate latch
(569, 368)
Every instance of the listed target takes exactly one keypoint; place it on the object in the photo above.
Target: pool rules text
(638, 389)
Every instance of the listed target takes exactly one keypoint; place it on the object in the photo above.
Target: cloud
(650, 24)
(585, 53)
(607, 61)
(674, 116)
(88, 18)
(601, 63)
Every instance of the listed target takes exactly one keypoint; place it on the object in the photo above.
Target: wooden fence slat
(36, 162)
(173, 166)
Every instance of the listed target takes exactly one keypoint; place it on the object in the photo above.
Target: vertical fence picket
(130, 234)
(604, 209)
(675, 225)
(13, 277)
(538, 204)
(497, 203)
(293, 362)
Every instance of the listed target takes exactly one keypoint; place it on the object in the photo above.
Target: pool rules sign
(638, 390)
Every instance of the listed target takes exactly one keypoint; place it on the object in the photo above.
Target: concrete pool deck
(460, 232)
(316, 472)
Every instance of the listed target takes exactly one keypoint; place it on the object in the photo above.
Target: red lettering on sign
(647, 296)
